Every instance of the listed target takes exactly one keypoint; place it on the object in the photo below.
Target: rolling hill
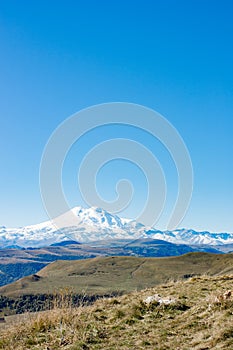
(17, 263)
(122, 274)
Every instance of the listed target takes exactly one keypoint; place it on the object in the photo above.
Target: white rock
(166, 301)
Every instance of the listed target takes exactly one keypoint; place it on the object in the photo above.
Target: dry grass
(201, 318)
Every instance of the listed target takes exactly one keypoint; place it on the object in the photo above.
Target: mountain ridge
(93, 224)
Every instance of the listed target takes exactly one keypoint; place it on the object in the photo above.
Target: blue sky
(58, 57)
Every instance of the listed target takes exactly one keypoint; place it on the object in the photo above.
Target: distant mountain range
(96, 224)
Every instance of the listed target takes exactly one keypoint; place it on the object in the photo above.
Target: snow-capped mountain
(94, 224)
(191, 237)
(90, 224)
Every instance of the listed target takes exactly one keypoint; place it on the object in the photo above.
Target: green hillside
(124, 274)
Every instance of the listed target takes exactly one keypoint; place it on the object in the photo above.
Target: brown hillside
(104, 275)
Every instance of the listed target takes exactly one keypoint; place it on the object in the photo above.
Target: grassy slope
(102, 275)
(196, 321)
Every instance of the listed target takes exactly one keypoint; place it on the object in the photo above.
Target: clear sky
(176, 57)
